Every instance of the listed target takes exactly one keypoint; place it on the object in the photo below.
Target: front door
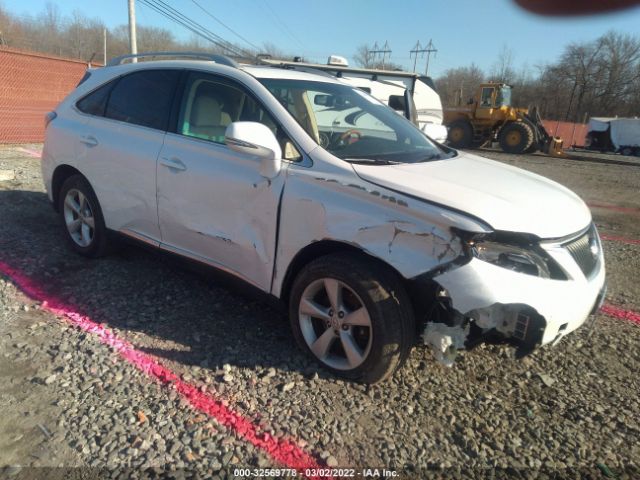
(486, 103)
(213, 204)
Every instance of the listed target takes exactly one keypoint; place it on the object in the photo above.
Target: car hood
(505, 197)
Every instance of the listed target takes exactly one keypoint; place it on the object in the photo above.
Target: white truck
(410, 94)
(621, 135)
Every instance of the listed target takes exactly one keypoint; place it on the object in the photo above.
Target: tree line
(80, 37)
(595, 78)
(589, 79)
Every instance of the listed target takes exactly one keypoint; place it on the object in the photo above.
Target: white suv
(315, 192)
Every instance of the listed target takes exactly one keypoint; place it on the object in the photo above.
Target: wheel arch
(60, 175)
(319, 249)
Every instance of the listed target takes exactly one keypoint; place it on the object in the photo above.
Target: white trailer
(388, 87)
(614, 134)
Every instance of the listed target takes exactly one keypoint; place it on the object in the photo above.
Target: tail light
(48, 118)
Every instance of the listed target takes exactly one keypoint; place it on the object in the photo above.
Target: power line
(225, 44)
(166, 14)
(225, 26)
(384, 50)
(284, 25)
(429, 50)
(172, 14)
(416, 50)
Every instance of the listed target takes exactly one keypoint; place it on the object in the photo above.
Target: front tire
(353, 316)
(515, 137)
(81, 217)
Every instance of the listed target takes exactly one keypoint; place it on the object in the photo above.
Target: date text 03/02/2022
(315, 472)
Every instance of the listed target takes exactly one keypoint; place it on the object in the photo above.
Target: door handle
(173, 163)
(89, 140)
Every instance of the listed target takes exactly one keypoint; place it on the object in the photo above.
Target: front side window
(211, 104)
(351, 124)
(503, 98)
(143, 98)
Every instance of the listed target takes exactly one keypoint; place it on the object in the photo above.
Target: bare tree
(363, 57)
(366, 59)
(80, 37)
(457, 85)
(502, 70)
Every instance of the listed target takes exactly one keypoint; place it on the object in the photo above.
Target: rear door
(213, 204)
(120, 146)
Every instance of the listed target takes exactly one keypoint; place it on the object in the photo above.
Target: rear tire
(515, 137)
(460, 134)
(365, 329)
(81, 218)
(626, 151)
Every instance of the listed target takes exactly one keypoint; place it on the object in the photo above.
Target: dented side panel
(219, 210)
(335, 204)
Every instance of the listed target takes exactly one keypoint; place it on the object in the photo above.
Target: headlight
(514, 258)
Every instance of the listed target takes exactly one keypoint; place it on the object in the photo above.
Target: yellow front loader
(489, 116)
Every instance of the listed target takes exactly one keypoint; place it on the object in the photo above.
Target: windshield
(503, 99)
(351, 124)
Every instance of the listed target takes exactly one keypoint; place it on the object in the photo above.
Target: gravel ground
(68, 400)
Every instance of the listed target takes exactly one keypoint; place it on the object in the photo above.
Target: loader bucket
(553, 147)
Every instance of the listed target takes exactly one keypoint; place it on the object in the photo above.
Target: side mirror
(323, 100)
(397, 102)
(255, 139)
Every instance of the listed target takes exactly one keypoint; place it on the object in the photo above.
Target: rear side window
(96, 102)
(143, 98)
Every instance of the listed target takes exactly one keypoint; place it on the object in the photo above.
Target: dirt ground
(71, 406)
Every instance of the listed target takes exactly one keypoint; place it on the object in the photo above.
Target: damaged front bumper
(486, 299)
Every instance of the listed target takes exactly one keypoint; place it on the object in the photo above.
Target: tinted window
(144, 98)
(96, 101)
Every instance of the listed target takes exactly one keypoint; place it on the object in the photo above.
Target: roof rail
(212, 57)
(339, 69)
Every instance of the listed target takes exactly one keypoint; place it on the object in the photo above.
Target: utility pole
(383, 51)
(133, 45)
(416, 50)
(104, 46)
(428, 50)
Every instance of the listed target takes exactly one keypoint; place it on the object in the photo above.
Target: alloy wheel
(78, 217)
(335, 324)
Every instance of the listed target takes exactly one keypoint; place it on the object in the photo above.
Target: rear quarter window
(96, 102)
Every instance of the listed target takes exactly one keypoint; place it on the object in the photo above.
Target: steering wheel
(350, 137)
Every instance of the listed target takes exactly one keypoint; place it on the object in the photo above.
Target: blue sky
(463, 31)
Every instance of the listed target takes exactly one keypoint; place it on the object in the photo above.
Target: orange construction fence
(31, 84)
(572, 134)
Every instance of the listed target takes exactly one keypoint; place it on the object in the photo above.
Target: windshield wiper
(375, 161)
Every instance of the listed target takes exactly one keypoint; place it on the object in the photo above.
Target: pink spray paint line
(283, 451)
(616, 208)
(616, 238)
(31, 153)
(621, 313)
